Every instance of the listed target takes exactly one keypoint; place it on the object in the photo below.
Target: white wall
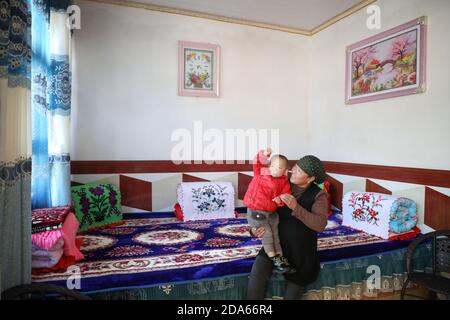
(125, 102)
(409, 131)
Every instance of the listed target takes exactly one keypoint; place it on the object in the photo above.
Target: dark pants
(268, 220)
(259, 277)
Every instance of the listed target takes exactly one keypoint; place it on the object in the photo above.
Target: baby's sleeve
(286, 187)
(260, 164)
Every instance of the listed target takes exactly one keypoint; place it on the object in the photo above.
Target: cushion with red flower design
(96, 205)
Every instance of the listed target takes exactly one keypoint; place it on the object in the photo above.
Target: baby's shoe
(288, 265)
(279, 264)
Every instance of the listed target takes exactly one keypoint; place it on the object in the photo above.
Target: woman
(304, 214)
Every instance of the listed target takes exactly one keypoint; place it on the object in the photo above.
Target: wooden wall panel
(437, 209)
(336, 191)
(374, 187)
(189, 178)
(136, 193)
(243, 182)
(431, 177)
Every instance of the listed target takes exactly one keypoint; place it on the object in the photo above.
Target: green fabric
(96, 205)
(313, 167)
(235, 288)
(356, 270)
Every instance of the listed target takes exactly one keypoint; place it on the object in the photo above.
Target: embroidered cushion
(379, 214)
(45, 219)
(205, 200)
(97, 205)
(179, 212)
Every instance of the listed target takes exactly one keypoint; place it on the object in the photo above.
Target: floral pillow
(96, 205)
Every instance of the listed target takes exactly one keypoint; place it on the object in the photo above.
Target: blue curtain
(51, 95)
(15, 143)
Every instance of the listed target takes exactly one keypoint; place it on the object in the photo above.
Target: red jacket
(263, 187)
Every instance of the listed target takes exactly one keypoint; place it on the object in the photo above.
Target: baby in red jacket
(262, 199)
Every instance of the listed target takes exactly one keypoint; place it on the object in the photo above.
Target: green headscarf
(312, 167)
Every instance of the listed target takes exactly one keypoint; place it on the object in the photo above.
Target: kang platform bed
(155, 256)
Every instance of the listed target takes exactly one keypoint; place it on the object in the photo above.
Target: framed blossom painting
(387, 65)
(198, 69)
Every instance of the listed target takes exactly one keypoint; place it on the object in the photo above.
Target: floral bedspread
(154, 249)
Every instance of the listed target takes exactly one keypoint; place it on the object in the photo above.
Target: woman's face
(299, 177)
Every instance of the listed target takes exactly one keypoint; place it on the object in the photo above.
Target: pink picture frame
(198, 69)
(389, 64)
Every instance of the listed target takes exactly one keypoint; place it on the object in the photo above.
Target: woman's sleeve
(286, 188)
(317, 218)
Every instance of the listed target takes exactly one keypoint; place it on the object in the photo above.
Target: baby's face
(277, 168)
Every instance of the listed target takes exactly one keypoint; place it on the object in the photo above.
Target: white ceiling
(299, 14)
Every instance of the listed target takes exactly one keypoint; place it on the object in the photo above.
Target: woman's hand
(258, 232)
(290, 201)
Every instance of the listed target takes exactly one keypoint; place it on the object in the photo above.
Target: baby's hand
(289, 200)
(277, 200)
(268, 152)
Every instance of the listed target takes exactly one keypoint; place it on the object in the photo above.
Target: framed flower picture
(198, 69)
(387, 65)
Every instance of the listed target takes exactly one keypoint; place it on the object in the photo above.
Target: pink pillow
(69, 233)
